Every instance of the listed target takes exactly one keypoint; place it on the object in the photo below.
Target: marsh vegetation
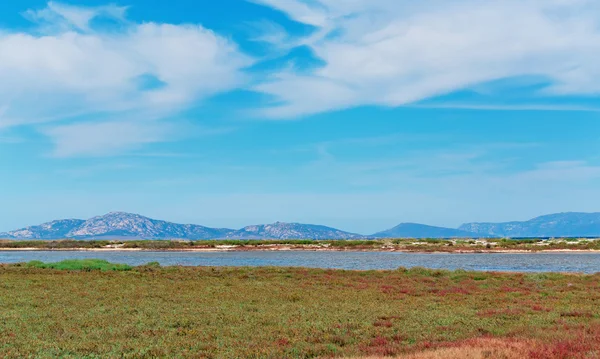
(96, 310)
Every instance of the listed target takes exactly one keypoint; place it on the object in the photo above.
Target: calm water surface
(521, 262)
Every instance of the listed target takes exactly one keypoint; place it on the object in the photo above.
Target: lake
(519, 262)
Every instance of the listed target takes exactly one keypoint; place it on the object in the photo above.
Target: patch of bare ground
(586, 345)
(481, 348)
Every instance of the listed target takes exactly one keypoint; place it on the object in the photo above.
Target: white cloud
(396, 52)
(71, 68)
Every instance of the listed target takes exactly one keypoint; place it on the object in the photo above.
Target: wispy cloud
(525, 107)
(561, 171)
(60, 17)
(105, 138)
(96, 169)
(398, 52)
(10, 139)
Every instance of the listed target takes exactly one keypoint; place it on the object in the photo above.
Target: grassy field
(95, 310)
(410, 245)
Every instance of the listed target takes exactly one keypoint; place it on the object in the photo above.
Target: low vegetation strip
(71, 310)
(408, 245)
(81, 265)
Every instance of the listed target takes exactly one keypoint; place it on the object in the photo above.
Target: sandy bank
(302, 248)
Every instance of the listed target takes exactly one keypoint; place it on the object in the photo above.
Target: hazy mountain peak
(417, 230)
(119, 214)
(283, 230)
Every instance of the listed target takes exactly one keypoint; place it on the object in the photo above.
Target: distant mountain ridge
(280, 230)
(416, 230)
(565, 224)
(50, 230)
(121, 225)
(134, 226)
(115, 224)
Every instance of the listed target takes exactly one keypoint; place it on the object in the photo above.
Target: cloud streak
(105, 138)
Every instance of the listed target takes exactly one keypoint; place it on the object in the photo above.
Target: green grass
(81, 265)
(203, 312)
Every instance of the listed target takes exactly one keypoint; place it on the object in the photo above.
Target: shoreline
(300, 249)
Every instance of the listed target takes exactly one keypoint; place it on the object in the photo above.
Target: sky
(357, 114)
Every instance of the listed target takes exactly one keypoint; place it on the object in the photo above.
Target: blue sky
(355, 114)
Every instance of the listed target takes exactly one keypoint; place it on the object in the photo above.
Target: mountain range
(570, 224)
(121, 225)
